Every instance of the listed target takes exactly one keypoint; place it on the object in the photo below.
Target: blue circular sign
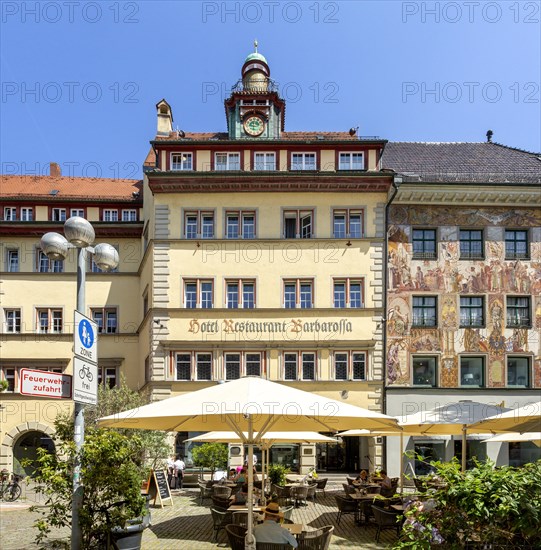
(86, 334)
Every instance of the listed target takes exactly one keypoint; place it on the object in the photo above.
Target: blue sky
(80, 80)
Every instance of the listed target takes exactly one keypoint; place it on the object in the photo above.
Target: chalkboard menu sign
(158, 487)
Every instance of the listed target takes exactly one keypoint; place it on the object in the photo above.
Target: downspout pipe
(397, 180)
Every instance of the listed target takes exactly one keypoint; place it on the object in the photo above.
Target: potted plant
(278, 473)
(4, 385)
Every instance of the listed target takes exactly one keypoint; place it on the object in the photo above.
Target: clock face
(254, 126)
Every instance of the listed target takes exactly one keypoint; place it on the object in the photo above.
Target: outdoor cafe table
(243, 508)
(359, 499)
(293, 528)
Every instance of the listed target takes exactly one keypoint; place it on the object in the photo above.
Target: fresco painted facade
(459, 352)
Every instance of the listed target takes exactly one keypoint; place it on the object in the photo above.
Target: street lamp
(79, 234)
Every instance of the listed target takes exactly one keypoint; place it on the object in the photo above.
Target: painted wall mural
(448, 278)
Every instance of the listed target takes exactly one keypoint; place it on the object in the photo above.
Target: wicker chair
(320, 539)
(345, 506)
(204, 491)
(220, 503)
(240, 518)
(287, 511)
(312, 491)
(220, 518)
(348, 489)
(282, 493)
(350, 480)
(420, 485)
(321, 484)
(221, 491)
(236, 535)
(299, 494)
(385, 519)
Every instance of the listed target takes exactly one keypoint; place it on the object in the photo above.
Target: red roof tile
(285, 136)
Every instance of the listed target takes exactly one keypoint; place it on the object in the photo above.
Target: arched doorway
(26, 447)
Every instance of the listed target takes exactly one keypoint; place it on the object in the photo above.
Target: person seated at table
(232, 474)
(242, 476)
(271, 530)
(385, 480)
(362, 477)
(241, 496)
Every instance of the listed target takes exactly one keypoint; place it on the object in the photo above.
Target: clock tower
(255, 110)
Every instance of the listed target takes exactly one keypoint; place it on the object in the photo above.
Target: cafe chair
(299, 494)
(221, 492)
(282, 493)
(287, 521)
(320, 539)
(220, 503)
(240, 518)
(312, 491)
(350, 480)
(220, 518)
(420, 485)
(287, 511)
(236, 535)
(321, 484)
(348, 489)
(385, 519)
(204, 491)
(345, 506)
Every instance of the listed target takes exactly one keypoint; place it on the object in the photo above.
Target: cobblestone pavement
(188, 526)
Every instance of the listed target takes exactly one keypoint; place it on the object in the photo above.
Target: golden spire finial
(255, 45)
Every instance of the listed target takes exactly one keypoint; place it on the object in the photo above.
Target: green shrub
(278, 473)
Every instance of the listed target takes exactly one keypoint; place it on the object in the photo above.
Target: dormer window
(351, 161)
(181, 161)
(303, 161)
(227, 161)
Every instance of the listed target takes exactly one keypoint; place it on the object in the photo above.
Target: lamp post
(79, 234)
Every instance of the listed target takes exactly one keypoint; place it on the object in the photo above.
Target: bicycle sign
(85, 338)
(85, 382)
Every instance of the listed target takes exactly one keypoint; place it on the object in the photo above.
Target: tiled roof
(69, 188)
(285, 136)
(481, 162)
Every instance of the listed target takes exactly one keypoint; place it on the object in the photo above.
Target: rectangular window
(242, 364)
(184, 366)
(472, 311)
(49, 320)
(203, 366)
(110, 215)
(290, 366)
(227, 161)
(198, 225)
(424, 371)
(351, 161)
(303, 161)
(518, 311)
(27, 214)
(10, 214)
(107, 376)
(58, 215)
(240, 225)
(424, 311)
(9, 376)
(44, 265)
(298, 224)
(516, 244)
(299, 293)
(198, 294)
(77, 212)
(349, 365)
(472, 371)
(347, 224)
(193, 366)
(12, 320)
(12, 374)
(12, 260)
(424, 244)
(181, 161)
(348, 293)
(471, 244)
(129, 215)
(518, 372)
(253, 364)
(232, 366)
(240, 293)
(265, 161)
(308, 366)
(106, 319)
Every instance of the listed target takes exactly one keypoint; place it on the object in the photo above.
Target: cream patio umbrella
(249, 404)
(266, 442)
(524, 419)
(534, 437)
(457, 418)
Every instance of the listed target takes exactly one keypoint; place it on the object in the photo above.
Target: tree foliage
(484, 505)
(210, 455)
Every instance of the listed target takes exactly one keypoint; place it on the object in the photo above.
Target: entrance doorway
(26, 448)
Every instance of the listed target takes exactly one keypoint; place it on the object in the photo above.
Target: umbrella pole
(249, 543)
(464, 445)
(263, 500)
(401, 462)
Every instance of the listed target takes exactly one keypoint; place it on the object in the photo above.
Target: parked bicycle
(10, 490)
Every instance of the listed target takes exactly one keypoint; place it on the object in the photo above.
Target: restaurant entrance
(338, 457)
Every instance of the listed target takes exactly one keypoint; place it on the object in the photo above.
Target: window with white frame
(44, 265)
(27, 214)
(129, 215)
(351, 161)
(518, 371)
(79, 212)
(193, 366)
(298, 224)
(245, 363)
(58, 215)
(347, 223)
(108, 376)
(240, 293)
(298, 293)
(181, 161)
(472, 311)
(110, 215)
(49, 320)
(299, 365)
(303, 161)
(227, 161)
(106, 318)
(198, 224)
(240, 224)
(350, 365)
(198, 293)
(12, 320)
(12, 375)
(265, 161)
(348, 293)
(12, 260)
(10, 214)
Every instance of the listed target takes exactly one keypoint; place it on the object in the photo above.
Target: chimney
(165, 118)
(490, 133)
(54, 170)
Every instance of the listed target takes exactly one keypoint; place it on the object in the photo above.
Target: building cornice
(103, 230)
